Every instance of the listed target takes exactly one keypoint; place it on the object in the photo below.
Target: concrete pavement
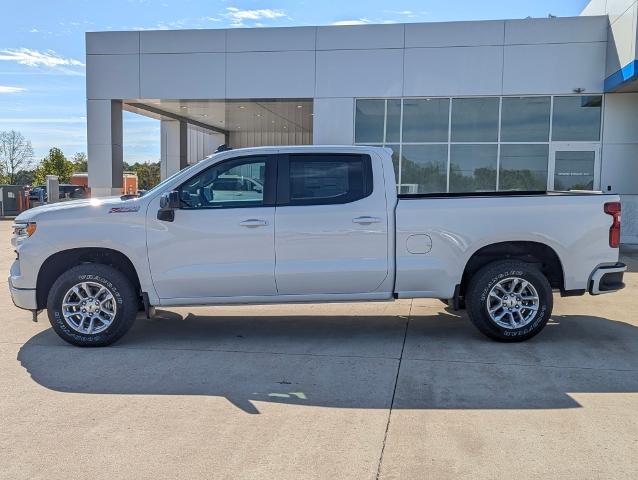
(354, 391)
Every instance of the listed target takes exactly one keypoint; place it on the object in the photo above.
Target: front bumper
(23, 297)
(607, 279)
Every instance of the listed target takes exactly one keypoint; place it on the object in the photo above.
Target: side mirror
(169, 200)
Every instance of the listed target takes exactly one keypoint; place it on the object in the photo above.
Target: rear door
(331, 234)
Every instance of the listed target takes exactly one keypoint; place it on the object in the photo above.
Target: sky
(42, 49)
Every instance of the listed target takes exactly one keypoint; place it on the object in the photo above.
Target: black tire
(478, 292)
(123, 293)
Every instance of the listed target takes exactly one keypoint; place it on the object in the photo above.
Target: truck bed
(450, 228)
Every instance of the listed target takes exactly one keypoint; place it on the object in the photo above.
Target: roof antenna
(222, 148)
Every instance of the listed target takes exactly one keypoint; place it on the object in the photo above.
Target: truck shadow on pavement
(347, 361)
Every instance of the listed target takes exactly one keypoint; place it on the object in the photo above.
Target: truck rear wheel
(509, 300)
(92, 305)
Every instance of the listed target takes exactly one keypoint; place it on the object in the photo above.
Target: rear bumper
(23, 297)
(607, 279)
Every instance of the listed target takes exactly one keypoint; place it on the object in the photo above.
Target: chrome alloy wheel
(89, 308)
(512, 303)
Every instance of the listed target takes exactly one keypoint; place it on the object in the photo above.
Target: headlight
(23, 230)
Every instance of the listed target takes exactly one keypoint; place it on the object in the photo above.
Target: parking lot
(359, 391)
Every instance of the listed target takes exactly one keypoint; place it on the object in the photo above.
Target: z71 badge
(132, 208)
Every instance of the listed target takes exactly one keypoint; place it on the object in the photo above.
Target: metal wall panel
(359, 73)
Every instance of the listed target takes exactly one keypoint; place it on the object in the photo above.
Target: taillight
(613, 209)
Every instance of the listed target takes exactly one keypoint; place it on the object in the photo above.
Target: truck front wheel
(92, 305)
(509, 300)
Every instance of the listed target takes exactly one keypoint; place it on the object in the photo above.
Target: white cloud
(6, 89)
(359, 21)
(405, 13)
(237, 16)
(35, 58)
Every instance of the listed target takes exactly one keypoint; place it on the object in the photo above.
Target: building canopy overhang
(623, 80)
(278, 120)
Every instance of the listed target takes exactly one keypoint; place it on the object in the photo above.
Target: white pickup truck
(310, 224)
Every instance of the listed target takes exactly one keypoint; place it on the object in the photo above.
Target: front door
(574, 166)
(331, 225)
(221, 241)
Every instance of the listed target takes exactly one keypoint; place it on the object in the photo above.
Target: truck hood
(91, 206)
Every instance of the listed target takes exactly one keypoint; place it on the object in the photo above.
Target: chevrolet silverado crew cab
(310, 224)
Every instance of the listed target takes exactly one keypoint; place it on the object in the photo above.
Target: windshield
(163, 183)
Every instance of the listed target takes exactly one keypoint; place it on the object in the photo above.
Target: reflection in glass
(227, 184)
(393, 121)
(369, 121)
(395, 160)
(475, 119)
(472, 168)
(574, 170)
(426, 119)
(525, 119)
(576, 118)
(523, 167)
(424, 169)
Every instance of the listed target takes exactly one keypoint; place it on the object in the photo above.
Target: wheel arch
(58, 263)
(527, 251)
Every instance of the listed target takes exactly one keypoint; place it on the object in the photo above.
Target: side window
(323, 179)
(234, 183)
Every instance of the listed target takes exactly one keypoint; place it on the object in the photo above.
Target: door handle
(254, 222)
(366, 220)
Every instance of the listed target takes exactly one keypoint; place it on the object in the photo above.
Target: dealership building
(527, 104)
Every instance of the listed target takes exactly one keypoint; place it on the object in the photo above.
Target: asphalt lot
(358, 391)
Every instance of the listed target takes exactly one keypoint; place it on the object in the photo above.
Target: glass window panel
(574, 170)
(395, 160)
(329, 179)
(523, 167)
(426, 119)
(472, 168)
(475, 119)
(424, 169)
(393, 122)
(525, 119)
(234, 183)
(577, 118)
(369, 119)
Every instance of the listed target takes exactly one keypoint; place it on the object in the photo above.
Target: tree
(16, 153)
(80, 162)
(55, 163)
(24, 177)
(148, 174)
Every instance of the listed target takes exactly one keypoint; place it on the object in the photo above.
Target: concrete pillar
(174, 147)
(53, 189)
(202, 143)
(333, 121)
(105, 154)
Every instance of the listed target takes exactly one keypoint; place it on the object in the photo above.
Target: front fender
(123, 231)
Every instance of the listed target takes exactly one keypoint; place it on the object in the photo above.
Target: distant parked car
(34, 193)
(67, 192)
